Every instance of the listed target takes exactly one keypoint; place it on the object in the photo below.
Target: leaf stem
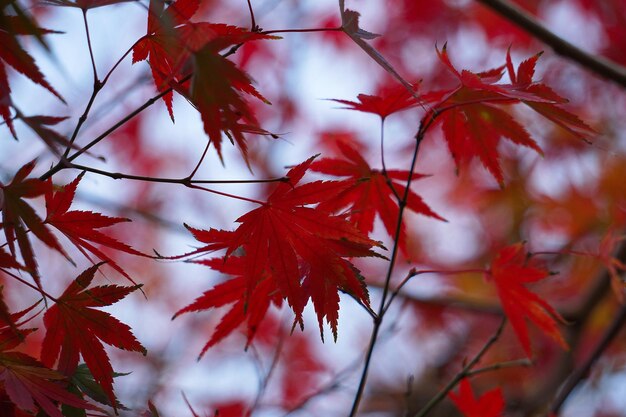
(271, 32)
(525, 362)
(64, 163)
(197, 167)
(119, 61)
(414, 273)
(236, 197)
(28, 284)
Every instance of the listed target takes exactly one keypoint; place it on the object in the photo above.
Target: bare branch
(599, 65)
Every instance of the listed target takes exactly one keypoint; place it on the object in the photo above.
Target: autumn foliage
(176, 198)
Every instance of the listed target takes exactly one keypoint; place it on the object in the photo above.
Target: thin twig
(223, 194)
(464, 373)
(183, 181)
(93, 61)
(28, 284)
(265, 379)
(119, 61)
(63, 163)
(197, 167)
(501, 365)
(599, 65)
(252, 20)
(271, 32)
(97, 86)
(412, 273)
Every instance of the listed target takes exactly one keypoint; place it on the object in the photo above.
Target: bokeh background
(566, 201)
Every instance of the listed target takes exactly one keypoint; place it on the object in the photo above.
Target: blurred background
(570, 202)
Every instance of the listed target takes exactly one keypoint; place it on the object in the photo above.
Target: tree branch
(581, 372)
(599, 65)
(464, 372)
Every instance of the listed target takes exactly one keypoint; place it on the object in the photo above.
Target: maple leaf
(490, 404)
(475, 131)
(19, 218)
(369, 192)
(510, 271)
(473, 125)
(178, 49)
(162, 46)
(30, 385)
(27, 382)
(215, 91)
(548, 108)
(14, 55)
(74, 327)
(80, 227)
(385, 103)
(10, 334)
(296, 251)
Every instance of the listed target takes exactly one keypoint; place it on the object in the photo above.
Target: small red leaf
(510, 271)
(490, 404)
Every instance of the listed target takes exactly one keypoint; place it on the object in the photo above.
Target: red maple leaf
(31, 386)
(549, 106)
(178, 49)
(216, 92)
(162, 45)
(490, 404)
(291, 250)
(510, 271)
(473, 123)
(369, 192)
(80, 227)
(27, 383)
(74, 327)
(388, 101)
